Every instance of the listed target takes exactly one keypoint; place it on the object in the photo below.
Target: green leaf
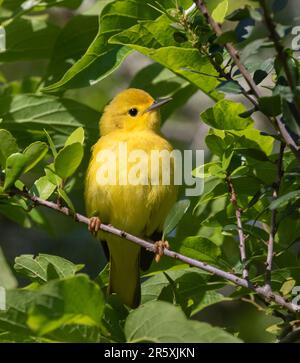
(68, 160)
(101, 58)
(8, 146)
(7, 278)
(229, 87)
(194, 291)
(160, 322)
(73, 300)
(66, 199)
(51, 144)
(43, 267)
(14, 209)
(220, 11)
(238, 14)
(177, 212)
(270, 106)
(34, 40)
(15, 317)
(226, 159)
(80, 30)
(155, 40)
(17, 164)
(285, 199)
(28, 115)
(200, 248)
(34, 153)
(43, 188)
(225, 115)
(76, 136)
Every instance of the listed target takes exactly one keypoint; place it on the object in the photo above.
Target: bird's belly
(128, 198)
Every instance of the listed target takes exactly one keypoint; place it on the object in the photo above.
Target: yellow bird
(132, 119)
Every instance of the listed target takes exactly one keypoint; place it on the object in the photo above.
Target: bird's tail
(124, 277)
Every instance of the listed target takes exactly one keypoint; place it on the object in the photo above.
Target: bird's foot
(94, 225)
(159, 247)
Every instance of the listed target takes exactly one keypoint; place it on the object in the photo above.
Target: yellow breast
(128, 198)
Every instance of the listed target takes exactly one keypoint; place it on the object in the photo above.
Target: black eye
(133, 112)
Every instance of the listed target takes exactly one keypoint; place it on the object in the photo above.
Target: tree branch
(150, 247)
(247, 76)
(238, 214)
(273, 227)
(230, 48)
(282, 56)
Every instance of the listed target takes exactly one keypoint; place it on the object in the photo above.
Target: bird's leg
(159, 247)
(94, 225)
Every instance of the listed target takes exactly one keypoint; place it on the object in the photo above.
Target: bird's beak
(158, 103)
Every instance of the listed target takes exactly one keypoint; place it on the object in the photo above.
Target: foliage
(45, 141)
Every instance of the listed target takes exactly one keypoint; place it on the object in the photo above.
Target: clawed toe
(159, 247)
(94, 225)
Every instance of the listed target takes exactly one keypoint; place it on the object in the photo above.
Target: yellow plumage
(137, 209)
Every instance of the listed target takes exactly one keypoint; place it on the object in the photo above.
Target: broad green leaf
(7, 278)
(14, 210)
(220, 11)
(68, 160)
(194, 291)
(28, 39)
(224, 115)
(283, 200)
(15, 317)
(279, 276)
(43, 188)
(175, 215)
(215, 144)
(8, 146)
(229, 87)
(73, 300)
(200, 248)
(76, 136)
(271, 106)
(28, 115)
(52, 176)
(34, 153)
(155, 40)
(43, 267)
(80, 30)
(250, 138)
(17, 163)
(161, 322)
(101, 58)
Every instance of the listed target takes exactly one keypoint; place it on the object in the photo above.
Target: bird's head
(132, 109)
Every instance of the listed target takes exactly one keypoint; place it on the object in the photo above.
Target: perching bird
(133, 118)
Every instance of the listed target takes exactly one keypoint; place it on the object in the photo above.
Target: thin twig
(150, 247)
(273, 226)
(242, 238)
(230, 48)
(275, 121)
(282, 56)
